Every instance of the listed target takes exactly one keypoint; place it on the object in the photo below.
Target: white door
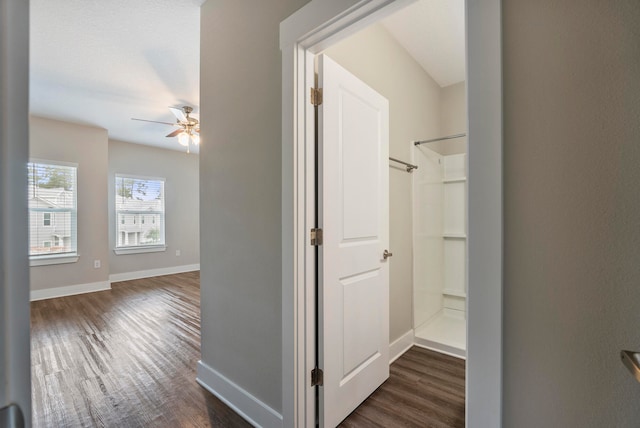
(353, 313)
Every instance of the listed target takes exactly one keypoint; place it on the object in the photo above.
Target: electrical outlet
(96, 264)
(177, 253)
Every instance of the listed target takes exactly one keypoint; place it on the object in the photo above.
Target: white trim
(139, 177)
(440, 348)
(53, 162)
(15, 362)
(53, 260)
(69, 290)
(315, 27)
(149, 273)
(400, 346)
(139, 250)
(253, 410)
(321, 23)
(485, 216)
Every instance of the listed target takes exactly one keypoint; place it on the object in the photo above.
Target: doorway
(426, 266)
(308, 32)
(425, 85)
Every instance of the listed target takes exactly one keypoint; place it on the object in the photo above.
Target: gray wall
(182, 216)
(571, 168)
(87, 146)
(15, 367)
(240, 190)
(453, 119)
(98, 160)
(571, 205)
(376, 58)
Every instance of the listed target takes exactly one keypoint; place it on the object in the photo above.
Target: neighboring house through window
(137, 199)
(52, 196)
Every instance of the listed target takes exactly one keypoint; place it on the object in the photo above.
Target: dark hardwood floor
(127, 358)
(123, 358)
(424, 389)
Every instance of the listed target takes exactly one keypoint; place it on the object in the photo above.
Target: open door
(353, 301)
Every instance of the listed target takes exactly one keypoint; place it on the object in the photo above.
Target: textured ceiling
(432, 31)
(101, 63)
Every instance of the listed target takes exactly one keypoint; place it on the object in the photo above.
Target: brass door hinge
(316, 96)
(316, 237)
(317, 377)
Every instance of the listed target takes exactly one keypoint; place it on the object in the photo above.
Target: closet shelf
(454, 293)
(454, 180)
(454, 236)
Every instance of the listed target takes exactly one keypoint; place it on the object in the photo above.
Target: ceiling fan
(188, 127)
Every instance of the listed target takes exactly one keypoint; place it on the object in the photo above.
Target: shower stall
(439, 248)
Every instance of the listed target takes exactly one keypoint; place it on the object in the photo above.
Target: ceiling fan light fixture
(183, 139)
(188, 127)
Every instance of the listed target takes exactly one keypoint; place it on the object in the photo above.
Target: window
(52, 198)
(137, 198)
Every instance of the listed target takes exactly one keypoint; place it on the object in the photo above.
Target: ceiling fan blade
(175, 133)
(179, 114)
(154, 121)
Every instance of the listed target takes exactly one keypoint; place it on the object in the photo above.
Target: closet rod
(448, 137)
(410, 167)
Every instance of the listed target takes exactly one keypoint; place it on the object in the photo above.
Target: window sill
(53, 260)
(139, 250)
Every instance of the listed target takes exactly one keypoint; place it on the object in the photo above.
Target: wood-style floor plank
(127, 358)
(123, 358)
(424, 389)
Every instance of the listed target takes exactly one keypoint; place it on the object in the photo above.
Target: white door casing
(15, 362)
(353, 137)
(310, 30)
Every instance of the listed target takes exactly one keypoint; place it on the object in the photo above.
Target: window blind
(52, 196)
(139, 212)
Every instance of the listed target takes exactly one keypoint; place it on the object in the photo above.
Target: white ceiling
(432, 31)
(101, 63)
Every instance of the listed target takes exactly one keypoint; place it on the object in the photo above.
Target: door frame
(15, 361)
(306, 33)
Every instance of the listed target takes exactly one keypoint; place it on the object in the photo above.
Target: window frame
(57, 258)
(144, 248)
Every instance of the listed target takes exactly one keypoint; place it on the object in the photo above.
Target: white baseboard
(243, 403)
(69, 290)
(400, 346)
(128, 276)
(452, 351)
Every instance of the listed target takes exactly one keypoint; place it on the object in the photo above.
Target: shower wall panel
(428, 250)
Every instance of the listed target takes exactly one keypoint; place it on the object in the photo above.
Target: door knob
(386, 254)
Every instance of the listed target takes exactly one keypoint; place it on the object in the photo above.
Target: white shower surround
(439, 217)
